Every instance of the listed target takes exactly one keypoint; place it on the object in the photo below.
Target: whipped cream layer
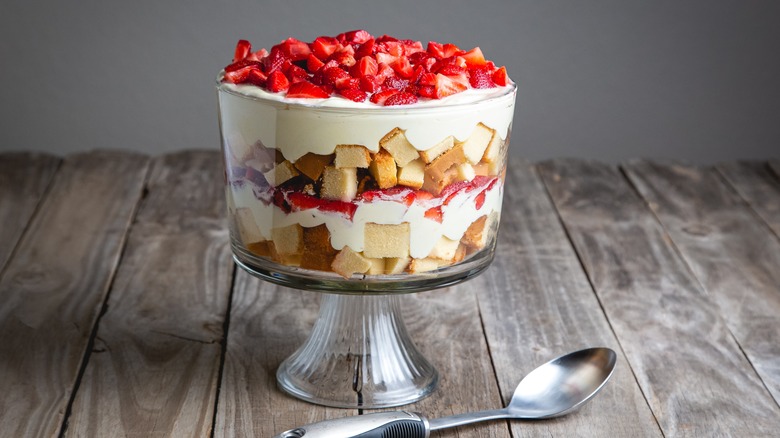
(298, 126)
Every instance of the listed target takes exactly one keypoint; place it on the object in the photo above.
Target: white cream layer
(424, 233)
(297, 126)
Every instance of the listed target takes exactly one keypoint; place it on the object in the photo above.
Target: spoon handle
(467, 418)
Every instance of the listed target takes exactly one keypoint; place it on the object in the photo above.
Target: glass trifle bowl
(363, 190)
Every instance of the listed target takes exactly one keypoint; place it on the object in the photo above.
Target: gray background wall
(695, 80)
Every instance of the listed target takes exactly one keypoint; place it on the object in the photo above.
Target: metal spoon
(554, 389)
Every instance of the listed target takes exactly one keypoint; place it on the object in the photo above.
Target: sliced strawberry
(400, 194)
(243, 48)
(380, 97)
(434, 214)
(427, 79)
(368, 84)
(344, 58)
(402, 66)
(411, 47)
(332, 74)
(280, 201)
(295, 50)
(481, 77)
(479, 201)
(306, 89)
(324, 46)
(277, 60)
(385, 58)
(256, 77)
(395, 83)
(428, 91)
(354, 94)
(296, 74)
(446, 86)
(419, 58)
(402, 98)
(238, 65)
(385, 71)
(365, 49)
(450, 69)
(435, 49)
(500, 77)
(359, 36)
(345, 83)
(277, 82)
(238, 76)
(365, 67)
(301, 201)
(313, 64)
(257, 56)
(474, 57)
(451, 50)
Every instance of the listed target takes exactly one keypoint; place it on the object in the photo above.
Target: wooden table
(122, 314)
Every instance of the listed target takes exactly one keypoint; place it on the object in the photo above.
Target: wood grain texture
(24, 177)
(691, 370)
(758, 186)
(733, 254)
(267, 324)
(52, 289)
(536, 304)
(154, 368)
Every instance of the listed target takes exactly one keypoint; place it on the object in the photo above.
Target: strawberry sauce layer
(356, 66)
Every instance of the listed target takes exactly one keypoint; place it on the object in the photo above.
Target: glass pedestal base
(358, 355)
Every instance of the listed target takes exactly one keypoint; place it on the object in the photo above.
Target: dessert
(361, 156)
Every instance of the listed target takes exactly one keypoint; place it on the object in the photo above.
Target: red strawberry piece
(385, 71)
(277, 60)
(479, 201)
(256, 77)
(500, 77)
(419, 58)
(400, 194)
(342, 84)
(436, 50)
(238, 65)
(306, 89)
(451, 50)
(238, 76)
(422, 195)
(474, 57)
(257, 56)
(344, 58)
(280, 201)
(380, 97)
(296, 74)
(313, 63)
(277, 82)
(322, 47)
(395, 83)
(411, 47)
(368, 84)
(365, 49)
(434, 214)
(385, 58)
(402, 66)
(354, 94)
(402, 98)
(446, 86)
(294, 49)
(481, 77)
(357, 36)
(428, 91)
(450, 69)
(301, 201)
(243, 48)
(365, 67)
(332, 74)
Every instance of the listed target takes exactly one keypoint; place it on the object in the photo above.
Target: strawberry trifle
(362, 162)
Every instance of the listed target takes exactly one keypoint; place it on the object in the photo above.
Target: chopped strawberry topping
(277, 82)
(301, 201)
(434, 214)
(243, 48)
(357, 66)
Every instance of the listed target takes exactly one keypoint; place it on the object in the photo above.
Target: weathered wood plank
(691, 370)
(536, 304)
(52, 289)
(758, 186)
(735, 257)
(24, 177)
(268, 323)
(154, 368)
(775, 166)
